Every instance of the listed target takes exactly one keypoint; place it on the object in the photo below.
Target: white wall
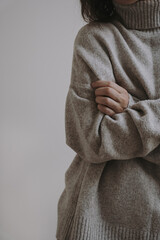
(36, 44)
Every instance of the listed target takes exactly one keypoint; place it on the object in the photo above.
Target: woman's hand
(111, 97)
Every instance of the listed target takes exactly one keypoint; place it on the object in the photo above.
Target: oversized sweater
(112, 186)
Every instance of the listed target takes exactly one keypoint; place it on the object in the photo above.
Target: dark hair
(97, 10)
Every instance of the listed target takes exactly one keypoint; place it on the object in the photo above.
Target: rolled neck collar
(143, 14)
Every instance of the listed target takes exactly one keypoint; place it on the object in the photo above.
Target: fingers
(109, 92)
(108, 102)
(105, 110)
(109, 84)
(111, 97)
(112, 90)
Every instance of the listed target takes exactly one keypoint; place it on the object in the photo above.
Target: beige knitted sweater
(112, 186)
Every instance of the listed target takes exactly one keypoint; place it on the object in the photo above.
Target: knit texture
(143, 14)
(112, 186)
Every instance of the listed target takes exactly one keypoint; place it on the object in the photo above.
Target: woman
(112, 122)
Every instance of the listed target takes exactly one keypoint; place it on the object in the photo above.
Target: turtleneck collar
(143, 14)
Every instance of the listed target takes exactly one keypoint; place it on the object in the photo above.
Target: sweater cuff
(132, 100)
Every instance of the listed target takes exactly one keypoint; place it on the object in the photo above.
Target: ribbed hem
(87, 229)
(65, 221)
(143, 14)
(61, 234)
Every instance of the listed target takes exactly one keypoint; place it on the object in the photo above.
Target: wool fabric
(112, 186)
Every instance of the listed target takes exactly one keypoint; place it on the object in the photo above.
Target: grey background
(36, 45)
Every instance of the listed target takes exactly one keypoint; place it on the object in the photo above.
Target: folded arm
(97, 137)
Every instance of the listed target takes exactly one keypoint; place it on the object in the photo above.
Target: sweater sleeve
(132, 100)
(97, 137)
